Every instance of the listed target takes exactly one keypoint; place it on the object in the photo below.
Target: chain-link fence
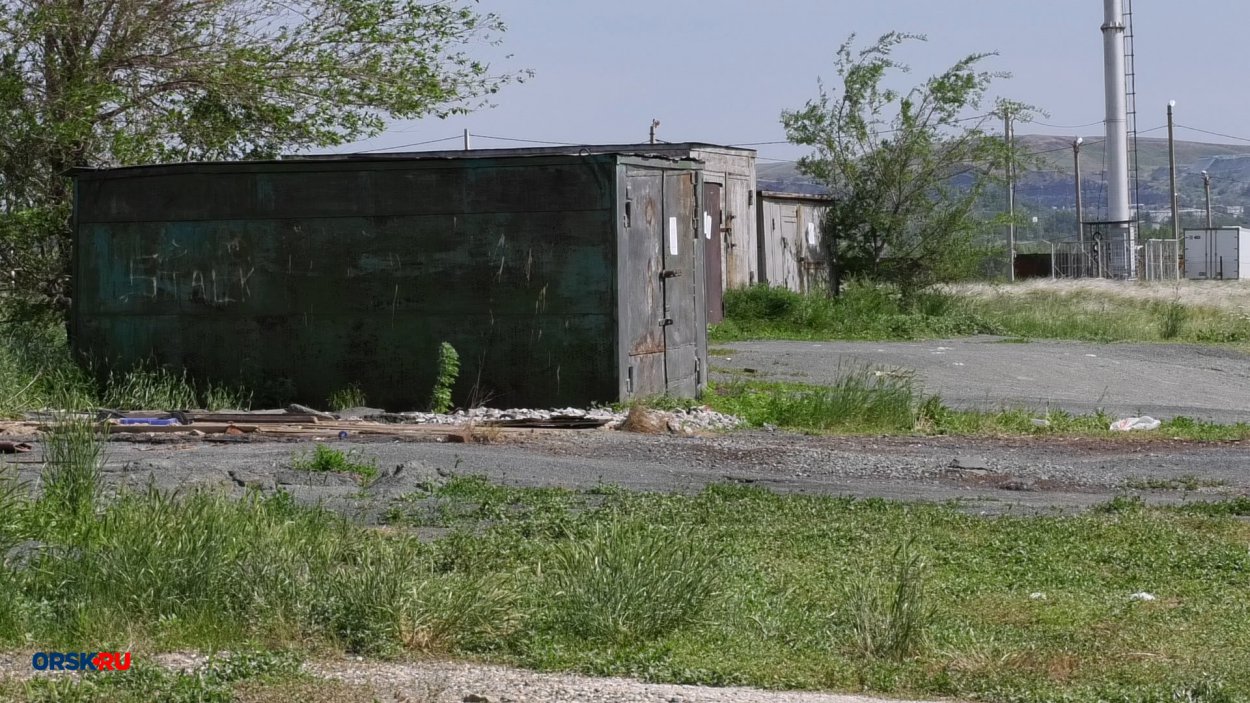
(1161, 260)
(1154, 260)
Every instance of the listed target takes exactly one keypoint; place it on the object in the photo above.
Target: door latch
(666, 322)
(670, 274)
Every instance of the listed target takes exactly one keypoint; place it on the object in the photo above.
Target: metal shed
(791, 255)
(560, 279)
(728, 208)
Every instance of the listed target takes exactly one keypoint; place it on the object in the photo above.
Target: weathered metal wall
(662, 308)
(300, 278)
(735, 170)
(790, 241)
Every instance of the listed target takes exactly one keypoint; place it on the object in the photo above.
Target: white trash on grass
(1130, 424)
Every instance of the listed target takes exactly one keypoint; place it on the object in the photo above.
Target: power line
(1064, 126)
(525, 141)
(1214, 134)
(405, 146)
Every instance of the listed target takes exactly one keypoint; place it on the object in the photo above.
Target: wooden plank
(206, 428)
(252, 418)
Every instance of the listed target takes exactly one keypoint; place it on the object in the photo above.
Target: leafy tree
(906, 169)
(117, 82)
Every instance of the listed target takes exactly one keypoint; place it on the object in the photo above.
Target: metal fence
(1161, 260)
(1155, 259)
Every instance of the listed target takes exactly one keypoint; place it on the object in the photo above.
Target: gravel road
(1161, 380)
(436, 681)
(989, 475)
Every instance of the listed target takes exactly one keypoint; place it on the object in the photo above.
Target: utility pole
(1080, 202)
(654, 124)
(1009, 136)
(1176, 210)
(1206, 182)
(466, 139)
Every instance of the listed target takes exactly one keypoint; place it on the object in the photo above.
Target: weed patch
(345, 398)
(324, 458)
(445, 381)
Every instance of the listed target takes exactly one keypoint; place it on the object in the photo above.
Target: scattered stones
(680, 422)
(971, 465)
(314, 478)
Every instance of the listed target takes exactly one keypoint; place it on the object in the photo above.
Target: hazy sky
(722, 70)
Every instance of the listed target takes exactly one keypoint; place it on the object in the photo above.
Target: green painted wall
(301, 278)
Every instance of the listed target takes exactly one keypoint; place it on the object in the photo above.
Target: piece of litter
(1143, 596)
(1039, 422)
(1037, 596)
(1130, 424)
(1092, 356)
(958, 363)
(343, 434)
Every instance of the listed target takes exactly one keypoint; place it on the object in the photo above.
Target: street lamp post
(1176, 211)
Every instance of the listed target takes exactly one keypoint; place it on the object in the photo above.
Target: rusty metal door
(713, 220)
(644, 310)
(680, 280)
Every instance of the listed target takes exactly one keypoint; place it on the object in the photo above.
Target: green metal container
(560, 279)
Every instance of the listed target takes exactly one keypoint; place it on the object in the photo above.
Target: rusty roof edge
(413, 157)
(795, 196)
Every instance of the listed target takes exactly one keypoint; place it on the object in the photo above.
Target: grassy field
(1101, 311)
(731, 586)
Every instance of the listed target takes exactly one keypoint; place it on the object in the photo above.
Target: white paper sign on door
(811, 234)
(707, 226)
(672, 236)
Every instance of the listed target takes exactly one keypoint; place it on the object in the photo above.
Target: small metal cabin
(1218, 254)
(727, 199)
(790, 251)
(560, 279)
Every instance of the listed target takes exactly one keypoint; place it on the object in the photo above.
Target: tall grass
(347, 398)
(630, 583)
(1102, 311)
(73, 457)
(862, 312)
(892, 616)
(860, 399)
(205, 570)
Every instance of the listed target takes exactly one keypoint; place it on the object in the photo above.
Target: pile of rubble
(699, 419)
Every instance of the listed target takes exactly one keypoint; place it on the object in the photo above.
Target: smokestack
(1117, 113)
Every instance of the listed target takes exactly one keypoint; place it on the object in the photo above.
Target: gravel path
(985, 475)
(1161, 380)
(437, 681)
(449, 682)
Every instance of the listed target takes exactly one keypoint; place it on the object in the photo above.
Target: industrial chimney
(1121, 231)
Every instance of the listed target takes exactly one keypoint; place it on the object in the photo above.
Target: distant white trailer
(1217, 254)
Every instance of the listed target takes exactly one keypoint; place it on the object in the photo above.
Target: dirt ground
(985, 475)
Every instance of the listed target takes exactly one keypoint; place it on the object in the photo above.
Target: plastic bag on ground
(1130, 424)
